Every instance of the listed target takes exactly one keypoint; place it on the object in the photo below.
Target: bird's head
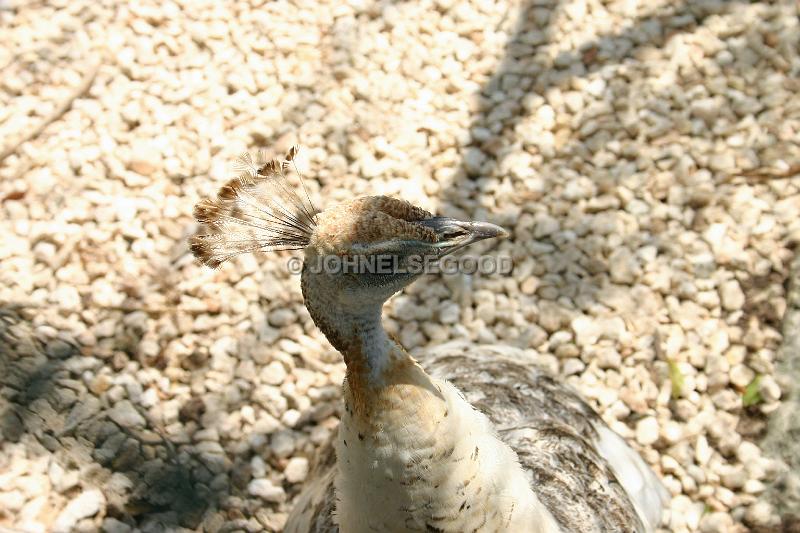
(359, 252)
(371, 247)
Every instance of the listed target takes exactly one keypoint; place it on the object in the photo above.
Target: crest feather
(258, 210)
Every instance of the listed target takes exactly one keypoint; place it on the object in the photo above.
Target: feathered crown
(258, 210)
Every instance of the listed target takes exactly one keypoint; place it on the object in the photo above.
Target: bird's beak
(484, 230)
(456, 234)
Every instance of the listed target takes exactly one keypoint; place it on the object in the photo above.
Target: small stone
(733, 477)
(273, 374)
(291, 417)
(67, 298)
(145, 159)
(272, 521)
(281, 317)
(473, 160)
(545, 226)
(679, 509)
(573, 366)
(266, 490)
(86, 504)
(754, 486)
(647, 431)
(573, 101)
(707, 109)
(741, 375)
(44, 251)
(192, 410)
(296, 470)
(726, 400)
(106, 328)
(731, 295)
(405, 308)
(131, 112)
(282, 444)
(596, 87)
(623, 266)
(716, 522)
(588, 331)
(761, 514)
(208, 434)
(769, 389)
(486, 312)
(449, 313)
(126, 415)
(672, 432)
(603, 202)
(58, 349)
(222, 347)
(60, 479)
(722, 162)
(546, 117)
(608, 357)
(100, 384)
(551, 316)
(748, 452)
(12, 500)
(534, 335)
(529, 286)
(149, 398)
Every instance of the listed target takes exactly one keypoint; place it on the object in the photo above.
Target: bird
(467, 437)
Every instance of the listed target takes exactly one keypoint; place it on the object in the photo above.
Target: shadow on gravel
(522, 72)
(46, 406)
(527, 72)
(497, 131)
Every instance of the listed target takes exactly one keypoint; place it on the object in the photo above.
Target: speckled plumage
(554, 433)
(557, 438)
(366, 220)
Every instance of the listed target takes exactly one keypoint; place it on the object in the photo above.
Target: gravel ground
(641, 154)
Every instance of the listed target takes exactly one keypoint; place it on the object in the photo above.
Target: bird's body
(577, 474)
(517, 451)
(424, 460)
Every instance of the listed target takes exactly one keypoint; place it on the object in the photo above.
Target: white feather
(648, 494)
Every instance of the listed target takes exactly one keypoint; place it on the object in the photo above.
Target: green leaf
(676, 378)
(751, 395)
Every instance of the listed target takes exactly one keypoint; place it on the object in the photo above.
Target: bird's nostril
(453, 233)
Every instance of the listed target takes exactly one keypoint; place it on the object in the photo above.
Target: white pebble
(296, 470)
(647, 431)
(731, 295)
(87, 503)
(266, 490)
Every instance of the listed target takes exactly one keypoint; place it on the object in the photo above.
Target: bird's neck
(369, 353)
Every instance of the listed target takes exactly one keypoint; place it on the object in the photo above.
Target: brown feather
(256, 211)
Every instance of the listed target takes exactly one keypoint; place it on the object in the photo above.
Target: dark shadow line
(537, 74)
